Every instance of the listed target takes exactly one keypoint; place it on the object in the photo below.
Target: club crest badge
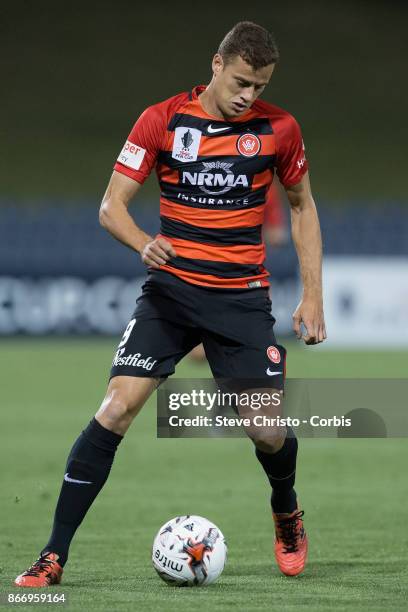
(248, 145)
(273, 354)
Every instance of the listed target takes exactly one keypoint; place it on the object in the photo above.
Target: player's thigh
(147, 353)
(252, 366)
(247, 355)
(151, 347)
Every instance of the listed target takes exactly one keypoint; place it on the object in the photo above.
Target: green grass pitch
(354, 493)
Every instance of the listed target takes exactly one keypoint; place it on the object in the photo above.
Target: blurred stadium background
(76, 82)
(76, 76)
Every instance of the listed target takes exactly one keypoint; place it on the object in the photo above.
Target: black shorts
(172, 317)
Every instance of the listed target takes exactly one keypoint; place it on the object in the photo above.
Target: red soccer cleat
(44, 572)
(290, 542)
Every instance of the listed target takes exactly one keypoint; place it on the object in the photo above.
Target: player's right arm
(133, 166)
(115, 218)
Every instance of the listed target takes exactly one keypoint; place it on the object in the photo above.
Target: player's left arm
(307, 239)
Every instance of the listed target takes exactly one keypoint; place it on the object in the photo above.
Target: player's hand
(157, 252)
(310, 313)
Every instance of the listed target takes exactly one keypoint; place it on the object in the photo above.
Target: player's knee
(123, 400)
(117, 408)
(268, 439)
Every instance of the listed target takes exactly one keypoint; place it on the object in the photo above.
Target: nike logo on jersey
(270, 373)
(213, 130)
(75, 481)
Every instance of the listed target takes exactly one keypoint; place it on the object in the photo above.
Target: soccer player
(215, 150)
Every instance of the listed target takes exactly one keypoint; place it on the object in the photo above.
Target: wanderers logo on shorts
(273, 354)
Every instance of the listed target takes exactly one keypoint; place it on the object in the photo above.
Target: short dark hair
(252, 42)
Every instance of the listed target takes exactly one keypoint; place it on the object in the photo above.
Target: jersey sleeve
(140, 151)
(291, 162)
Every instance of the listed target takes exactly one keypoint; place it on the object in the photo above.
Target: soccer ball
(189, 551)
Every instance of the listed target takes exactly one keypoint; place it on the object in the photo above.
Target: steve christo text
(259, 420)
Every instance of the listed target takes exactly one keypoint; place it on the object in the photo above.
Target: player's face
(237, 85)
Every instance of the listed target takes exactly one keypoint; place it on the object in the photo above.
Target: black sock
(280, 469)
(87, 470)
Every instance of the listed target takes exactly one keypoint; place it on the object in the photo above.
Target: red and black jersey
(214, 175)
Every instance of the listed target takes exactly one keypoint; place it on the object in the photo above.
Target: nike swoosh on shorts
(269, 373)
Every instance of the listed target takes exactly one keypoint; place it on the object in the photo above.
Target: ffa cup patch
(186, 144)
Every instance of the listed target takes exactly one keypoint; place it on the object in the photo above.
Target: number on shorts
(127, 333)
